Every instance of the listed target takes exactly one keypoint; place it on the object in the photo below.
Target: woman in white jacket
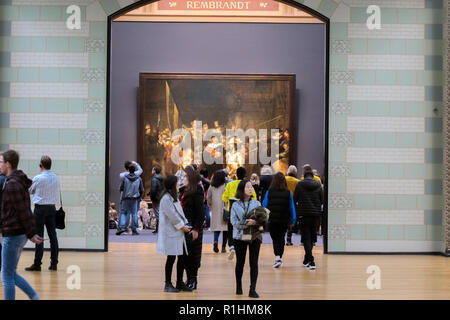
(171, 240)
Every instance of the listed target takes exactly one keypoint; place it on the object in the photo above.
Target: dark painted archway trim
(291, 3)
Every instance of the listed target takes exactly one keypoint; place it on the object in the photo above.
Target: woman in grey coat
(171, 240)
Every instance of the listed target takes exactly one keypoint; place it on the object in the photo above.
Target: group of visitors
(240, 209)
(19, 224)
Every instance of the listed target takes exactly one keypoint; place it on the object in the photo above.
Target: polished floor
(135, 271)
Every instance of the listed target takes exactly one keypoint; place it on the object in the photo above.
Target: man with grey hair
(265, 180)
(291, 180)
(227, 175)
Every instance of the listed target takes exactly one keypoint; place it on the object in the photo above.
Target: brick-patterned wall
(385, 154)
(386, 109)
(446, 187)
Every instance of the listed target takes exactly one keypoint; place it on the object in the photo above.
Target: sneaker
(156, 231)
(289, 244)
(118, 233)
(278, 263)
(231, 254)
(305, 263)
(312, 266)
(135, 233)
(224, 250)
(53, 267)
(33, 267)
(216, 247)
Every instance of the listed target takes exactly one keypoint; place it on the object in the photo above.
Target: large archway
(110, 183)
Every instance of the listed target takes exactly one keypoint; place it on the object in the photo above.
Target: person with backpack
(132, 190)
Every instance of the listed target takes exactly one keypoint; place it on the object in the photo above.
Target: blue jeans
(224, 237)
(207, 216)
(12, 248)
(129, 207)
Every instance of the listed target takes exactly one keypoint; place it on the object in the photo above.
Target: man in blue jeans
(17, 225)
(45, 191)
(132, 190)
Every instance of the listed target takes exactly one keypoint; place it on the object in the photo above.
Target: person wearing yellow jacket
(291, 180)
(228, 198)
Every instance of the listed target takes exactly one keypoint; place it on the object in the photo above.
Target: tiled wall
(385, 175)
(446, 125)
(386, 108)
(52, 100)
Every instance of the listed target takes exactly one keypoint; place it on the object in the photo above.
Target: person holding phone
(171, 240)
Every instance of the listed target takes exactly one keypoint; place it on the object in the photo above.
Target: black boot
(216, 247)
(252, 293)
(289, 238)
(239, 287)
(183, 287)
(192, 283)
(169, 288)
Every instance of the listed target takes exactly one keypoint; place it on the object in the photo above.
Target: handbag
(225, 215)
(60, 216)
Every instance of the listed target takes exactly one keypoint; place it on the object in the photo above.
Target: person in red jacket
(16, 224)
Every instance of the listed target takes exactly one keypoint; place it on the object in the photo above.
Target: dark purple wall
(216, 48)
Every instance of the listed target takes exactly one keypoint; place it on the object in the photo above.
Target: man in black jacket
(155, 192)
(308, 198)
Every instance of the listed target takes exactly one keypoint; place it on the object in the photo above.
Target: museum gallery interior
(357, 89)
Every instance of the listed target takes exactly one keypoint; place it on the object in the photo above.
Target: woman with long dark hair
(172, 227)
(216, 206)
(278, 199)
(238, 219)
(192, 201)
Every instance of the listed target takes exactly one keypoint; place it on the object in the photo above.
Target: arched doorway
(162, 29)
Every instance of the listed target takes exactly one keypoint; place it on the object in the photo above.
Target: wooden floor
(135, 271)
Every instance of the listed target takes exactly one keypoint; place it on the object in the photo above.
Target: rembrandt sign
(225, 5)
